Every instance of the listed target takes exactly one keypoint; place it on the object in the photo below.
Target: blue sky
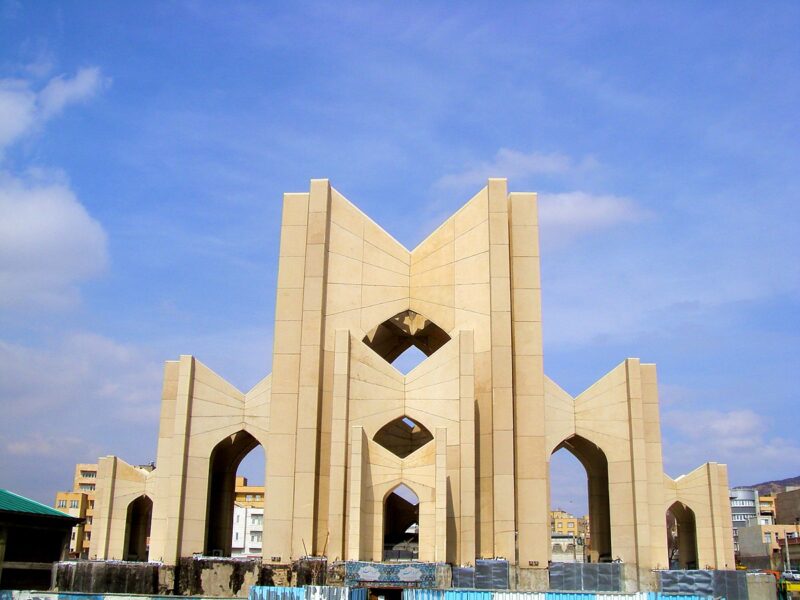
(144, 150)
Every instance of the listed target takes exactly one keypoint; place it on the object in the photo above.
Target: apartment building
(744, 512)
(248, 519)
(79, 502)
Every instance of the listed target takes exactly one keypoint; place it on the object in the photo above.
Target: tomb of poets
(467, 434)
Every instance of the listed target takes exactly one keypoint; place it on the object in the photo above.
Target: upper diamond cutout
(397, 334)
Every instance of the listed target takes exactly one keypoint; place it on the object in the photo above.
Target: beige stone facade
(470, 430)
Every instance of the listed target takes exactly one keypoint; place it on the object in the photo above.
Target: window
(87, 536)
(86, 487)
(767, 537)
(570, 525)
(237, 518)
(249, 497)
(91, 503)
(62, 504)
(255, 536)
(88, 520)
(236, 536)
(560, 525)
(89, 474)
(258, 496)
(73, 534)
(73, 504)
(256, 519)
(743, 503)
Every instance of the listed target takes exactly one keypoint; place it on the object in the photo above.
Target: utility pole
(786, 545)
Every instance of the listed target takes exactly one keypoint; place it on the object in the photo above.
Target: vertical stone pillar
(466, 532)
(638, 461)
(502, 375)
(355, 483)
(440, 495)
(282, 438)
(103, 507)
(338, 468)
(178, 458)
(311, 364)
(533, 520)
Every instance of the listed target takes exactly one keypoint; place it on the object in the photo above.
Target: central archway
(401, 524)
(594, 461)
(223, 464)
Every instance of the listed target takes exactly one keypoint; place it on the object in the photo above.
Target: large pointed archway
(681, 536)
(401, 524)
(223, 464)
(598, 529)
(137, 529)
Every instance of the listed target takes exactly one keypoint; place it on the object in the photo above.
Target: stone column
(502, 375)
(440, 495)
(355, 483)
(338, 467)
(533, 520)
(466, 533)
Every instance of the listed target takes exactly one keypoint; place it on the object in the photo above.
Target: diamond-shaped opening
(405, 330)
(403, 436)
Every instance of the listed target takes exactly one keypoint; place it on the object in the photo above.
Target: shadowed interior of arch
(681, 537)
(401, 524)
(403, 436)
(137, 529)
(598, 534)
(223, 466)
(406, 330)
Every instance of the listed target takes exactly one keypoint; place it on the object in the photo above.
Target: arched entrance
(681, 537)
(137, 529)
(597, 532)
(224, 462)
(401, 524)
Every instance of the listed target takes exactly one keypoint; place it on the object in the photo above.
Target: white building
(248, 527)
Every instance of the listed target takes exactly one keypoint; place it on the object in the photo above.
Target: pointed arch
(681, 536)
(401, 523)
(223, 464)
(594, 461)
(137, 529)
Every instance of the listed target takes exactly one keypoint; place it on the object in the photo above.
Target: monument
(469, 431)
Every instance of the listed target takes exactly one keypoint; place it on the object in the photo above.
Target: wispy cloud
(569, 214)
(23, 109)
(514, 164)
(751, 443)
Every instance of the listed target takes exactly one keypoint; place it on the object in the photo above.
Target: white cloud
(566, 215)
(513, 164)
(48, 243)
(22, 109)
(749, 442)
(72, 399)
(17, 110)
(61, 90)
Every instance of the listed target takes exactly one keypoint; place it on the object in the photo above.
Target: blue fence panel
(358, 593)
(570, 596)
(467, 595)
(269, 592)
(422, 594)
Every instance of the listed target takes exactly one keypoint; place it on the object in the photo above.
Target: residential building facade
(79, 502)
